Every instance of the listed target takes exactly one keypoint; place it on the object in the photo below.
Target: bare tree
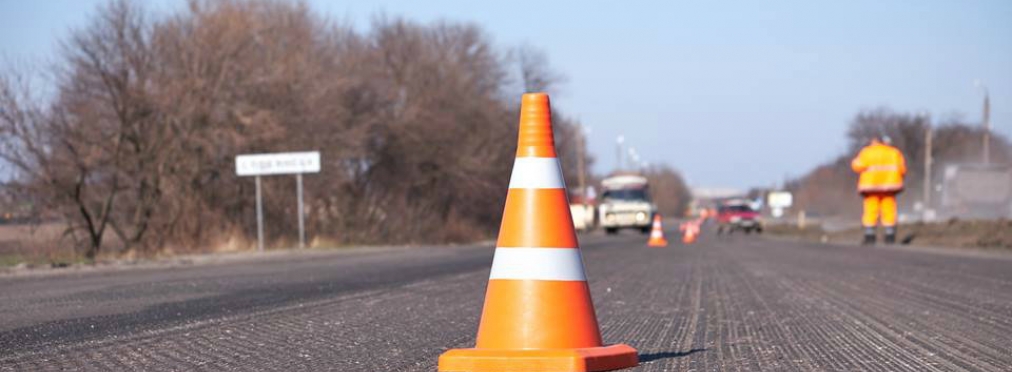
(535, 72)
(415, 131)
(76, 152)
(668, 189)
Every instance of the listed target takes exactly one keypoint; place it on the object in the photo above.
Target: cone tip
(536, 138)
(535, 100)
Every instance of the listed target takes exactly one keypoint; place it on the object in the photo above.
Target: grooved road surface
(721, 304)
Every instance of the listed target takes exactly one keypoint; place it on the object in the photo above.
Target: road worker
(881, 168)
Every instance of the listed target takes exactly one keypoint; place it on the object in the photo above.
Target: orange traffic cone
(657, 234)
(538, 314)
(689, 232)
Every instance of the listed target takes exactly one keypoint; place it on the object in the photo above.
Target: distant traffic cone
(657, 234)
(689, 232)
(538, 314)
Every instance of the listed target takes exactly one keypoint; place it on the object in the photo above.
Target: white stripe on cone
(657, 230)
(537, 173)
(538, 264)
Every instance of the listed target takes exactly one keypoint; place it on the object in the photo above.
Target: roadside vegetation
(954, 233)
(668, 190)
(133, 154)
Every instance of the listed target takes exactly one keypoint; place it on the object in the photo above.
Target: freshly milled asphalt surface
(736, 303)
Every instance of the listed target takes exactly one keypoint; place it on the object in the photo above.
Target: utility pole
(928, 136)
(987, 122)
(619, 152)
(580, 166)
(987, 127)
(634, 158)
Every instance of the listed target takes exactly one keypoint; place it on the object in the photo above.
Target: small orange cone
(689, 237)
(689, 232)
(657, 234)
(538, 314)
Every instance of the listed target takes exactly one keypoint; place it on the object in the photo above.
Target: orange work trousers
(879, 204)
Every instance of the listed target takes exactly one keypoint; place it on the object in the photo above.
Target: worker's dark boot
(869, 236)
(890, 235)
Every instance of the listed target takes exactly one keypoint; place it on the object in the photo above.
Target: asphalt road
(721, 304)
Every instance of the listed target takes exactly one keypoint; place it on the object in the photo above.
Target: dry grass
(41, 245)
(35, 245)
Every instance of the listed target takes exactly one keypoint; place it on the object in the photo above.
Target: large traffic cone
(538, 315)
(657, 234)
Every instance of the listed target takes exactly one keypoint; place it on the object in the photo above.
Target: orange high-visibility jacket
(881, 167)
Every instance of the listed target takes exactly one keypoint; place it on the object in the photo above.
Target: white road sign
(780, 199)
(277, 163)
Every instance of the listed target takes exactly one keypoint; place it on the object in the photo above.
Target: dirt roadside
(954, 233)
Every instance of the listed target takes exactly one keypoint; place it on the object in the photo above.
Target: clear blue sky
(735, 93)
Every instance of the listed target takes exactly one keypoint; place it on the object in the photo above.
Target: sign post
(302, 219)
(260, 219)
(295, 163)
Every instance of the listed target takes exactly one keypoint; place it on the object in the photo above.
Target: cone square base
(657, 243)
(605, 358)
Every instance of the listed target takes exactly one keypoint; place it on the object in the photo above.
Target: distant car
(738, 216)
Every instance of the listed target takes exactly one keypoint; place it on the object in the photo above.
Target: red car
(738, 216)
